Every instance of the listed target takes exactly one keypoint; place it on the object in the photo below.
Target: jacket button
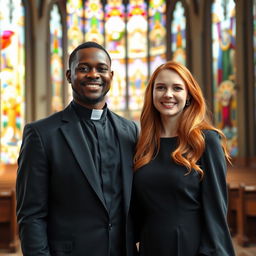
(109, 226)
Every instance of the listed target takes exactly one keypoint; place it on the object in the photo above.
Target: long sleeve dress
(177, 214)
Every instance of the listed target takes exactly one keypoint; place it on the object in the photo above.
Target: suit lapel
(126, 159)
(75, 138)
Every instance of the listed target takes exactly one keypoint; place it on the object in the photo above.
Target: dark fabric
(177, 214)
(61, 208)
(104, 147)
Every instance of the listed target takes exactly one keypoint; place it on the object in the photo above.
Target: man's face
(90, 76)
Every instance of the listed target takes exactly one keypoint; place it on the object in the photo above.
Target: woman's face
(169, 93)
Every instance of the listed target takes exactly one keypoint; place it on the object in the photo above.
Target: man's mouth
(92, 85)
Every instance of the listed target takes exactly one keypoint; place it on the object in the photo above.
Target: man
(75, 170)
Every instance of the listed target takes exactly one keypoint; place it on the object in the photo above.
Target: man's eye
(103, 69)
(83, 69)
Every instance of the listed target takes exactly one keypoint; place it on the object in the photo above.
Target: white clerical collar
(96, 114)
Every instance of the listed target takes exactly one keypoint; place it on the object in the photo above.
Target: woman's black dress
(177, 214)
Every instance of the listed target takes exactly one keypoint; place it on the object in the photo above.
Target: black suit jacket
(60, 205)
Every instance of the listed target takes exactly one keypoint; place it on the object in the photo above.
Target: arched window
(12, 78)
(223, 68)
(56, 59)
(178, 34)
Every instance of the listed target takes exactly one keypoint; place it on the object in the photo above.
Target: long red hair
(192, 122)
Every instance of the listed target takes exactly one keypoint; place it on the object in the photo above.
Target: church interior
(215, 39)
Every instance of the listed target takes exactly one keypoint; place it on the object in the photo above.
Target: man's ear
(68, 75)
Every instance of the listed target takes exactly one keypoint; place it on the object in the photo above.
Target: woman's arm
(216, 238)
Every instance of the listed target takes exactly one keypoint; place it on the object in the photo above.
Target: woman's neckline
(174, 137)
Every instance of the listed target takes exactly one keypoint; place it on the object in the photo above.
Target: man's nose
(93, 73)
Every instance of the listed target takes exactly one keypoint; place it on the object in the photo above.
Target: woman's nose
(168, 93)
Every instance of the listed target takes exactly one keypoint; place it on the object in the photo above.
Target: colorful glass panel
(137, 27)
(75, 28)
(115, 43)
(178, 34)
(116, 98)
(12, 78)
(138, 80)
(56, 59)
(94, 21)
(157, 33)
(223, 53)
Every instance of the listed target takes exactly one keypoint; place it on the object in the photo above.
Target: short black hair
(88, 44)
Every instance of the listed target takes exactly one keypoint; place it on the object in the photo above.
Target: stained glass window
(178, 34)
(75, 24)
(137, 27)
(94, 21)
(115, 43)
(75, 28)
(12, 78)
(56, 59)
(223, 53)
(157, 33)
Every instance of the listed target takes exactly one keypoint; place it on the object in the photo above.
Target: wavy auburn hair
(192, 122)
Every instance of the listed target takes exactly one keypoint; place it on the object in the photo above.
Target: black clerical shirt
(103, 143)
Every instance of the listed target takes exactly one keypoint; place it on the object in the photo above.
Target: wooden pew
(236, 176)
(233, 194)
(246, 209)
(8, 226)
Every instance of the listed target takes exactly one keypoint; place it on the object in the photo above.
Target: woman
(180, 198)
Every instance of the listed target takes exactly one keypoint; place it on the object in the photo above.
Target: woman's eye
(160, 87)
(178, 88)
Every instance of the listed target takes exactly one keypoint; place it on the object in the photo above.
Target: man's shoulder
(49, 121)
